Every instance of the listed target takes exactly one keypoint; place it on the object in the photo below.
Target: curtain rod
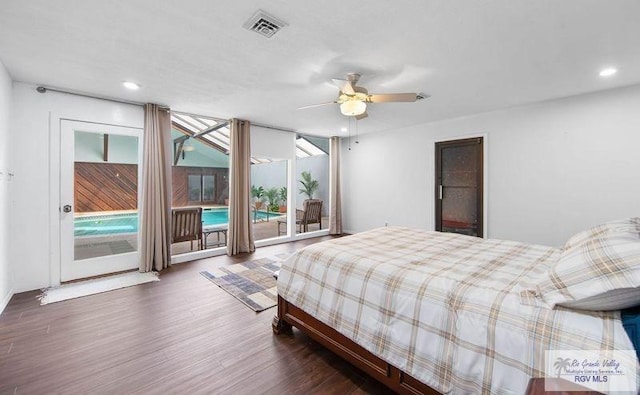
(45, 89)
(273, 127)
(287, 130)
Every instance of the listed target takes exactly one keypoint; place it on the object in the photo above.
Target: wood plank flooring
(182, 334)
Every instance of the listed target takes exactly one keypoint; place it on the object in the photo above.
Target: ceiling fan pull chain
(349, 133)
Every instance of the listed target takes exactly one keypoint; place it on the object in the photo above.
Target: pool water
(97, 225)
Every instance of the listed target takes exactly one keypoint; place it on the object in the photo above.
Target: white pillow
(599, 269)
(628, 225)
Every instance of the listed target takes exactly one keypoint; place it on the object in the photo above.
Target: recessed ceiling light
(608, 72)
(131, 85)
(343, 129)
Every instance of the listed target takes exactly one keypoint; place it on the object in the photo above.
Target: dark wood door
(459, 207)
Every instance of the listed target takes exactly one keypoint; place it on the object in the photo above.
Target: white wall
(554, 168)
(6, 140)
(35, 227)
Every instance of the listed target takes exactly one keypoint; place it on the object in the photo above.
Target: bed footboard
(289, 315)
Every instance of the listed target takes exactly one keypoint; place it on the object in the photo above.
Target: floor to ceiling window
(200, 180)
(271, 154)
(289, 183)
(312, 183)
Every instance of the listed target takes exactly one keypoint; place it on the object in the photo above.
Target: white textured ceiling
(471, 56)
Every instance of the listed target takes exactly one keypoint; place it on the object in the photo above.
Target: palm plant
(283, 194)
(257, 193)
(272, 197)
(309, 185)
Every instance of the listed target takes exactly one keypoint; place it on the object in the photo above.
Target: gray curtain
(335, 201)
(240, 233)
(155, 202)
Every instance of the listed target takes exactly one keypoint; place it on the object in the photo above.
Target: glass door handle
(66, 208)
(440, 192)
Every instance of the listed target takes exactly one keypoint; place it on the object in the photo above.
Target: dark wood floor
(182, 334)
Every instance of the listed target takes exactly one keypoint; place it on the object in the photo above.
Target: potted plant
(257, 193)
(309, 185)
(282, 194)
(272, 198)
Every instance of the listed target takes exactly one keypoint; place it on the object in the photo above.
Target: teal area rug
(252, 282)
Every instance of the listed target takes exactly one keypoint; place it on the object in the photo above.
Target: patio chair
(310, 214)
(186, 225)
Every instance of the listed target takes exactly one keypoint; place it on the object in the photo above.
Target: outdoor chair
(186, 225)
(310, 214)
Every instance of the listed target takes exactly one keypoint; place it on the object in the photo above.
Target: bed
(431, 312)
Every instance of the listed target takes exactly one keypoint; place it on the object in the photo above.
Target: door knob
(66, 208)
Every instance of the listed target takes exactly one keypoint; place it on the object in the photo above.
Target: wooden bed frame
(400, 382)
(397, 380)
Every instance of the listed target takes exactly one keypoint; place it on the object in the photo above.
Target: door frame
(485, 176)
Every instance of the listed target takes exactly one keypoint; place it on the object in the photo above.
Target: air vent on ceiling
(264, 24)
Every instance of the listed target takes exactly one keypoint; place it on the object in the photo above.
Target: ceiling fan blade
(344, 86)
(392, 97)
(316, 105)
(362, 116)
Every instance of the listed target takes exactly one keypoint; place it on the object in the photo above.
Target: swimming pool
(101, 225)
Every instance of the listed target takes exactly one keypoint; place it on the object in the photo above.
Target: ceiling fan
(353, 99)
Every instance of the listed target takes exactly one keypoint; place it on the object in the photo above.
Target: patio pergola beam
(105, 148)
(186, 121)
(211, 129)
(187, 135)
(178, 145)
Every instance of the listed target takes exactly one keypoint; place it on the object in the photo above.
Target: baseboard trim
(5, 301)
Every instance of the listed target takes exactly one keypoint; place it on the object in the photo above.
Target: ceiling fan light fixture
(353, 107)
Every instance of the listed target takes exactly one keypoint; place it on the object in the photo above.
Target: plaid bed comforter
(442, 307)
